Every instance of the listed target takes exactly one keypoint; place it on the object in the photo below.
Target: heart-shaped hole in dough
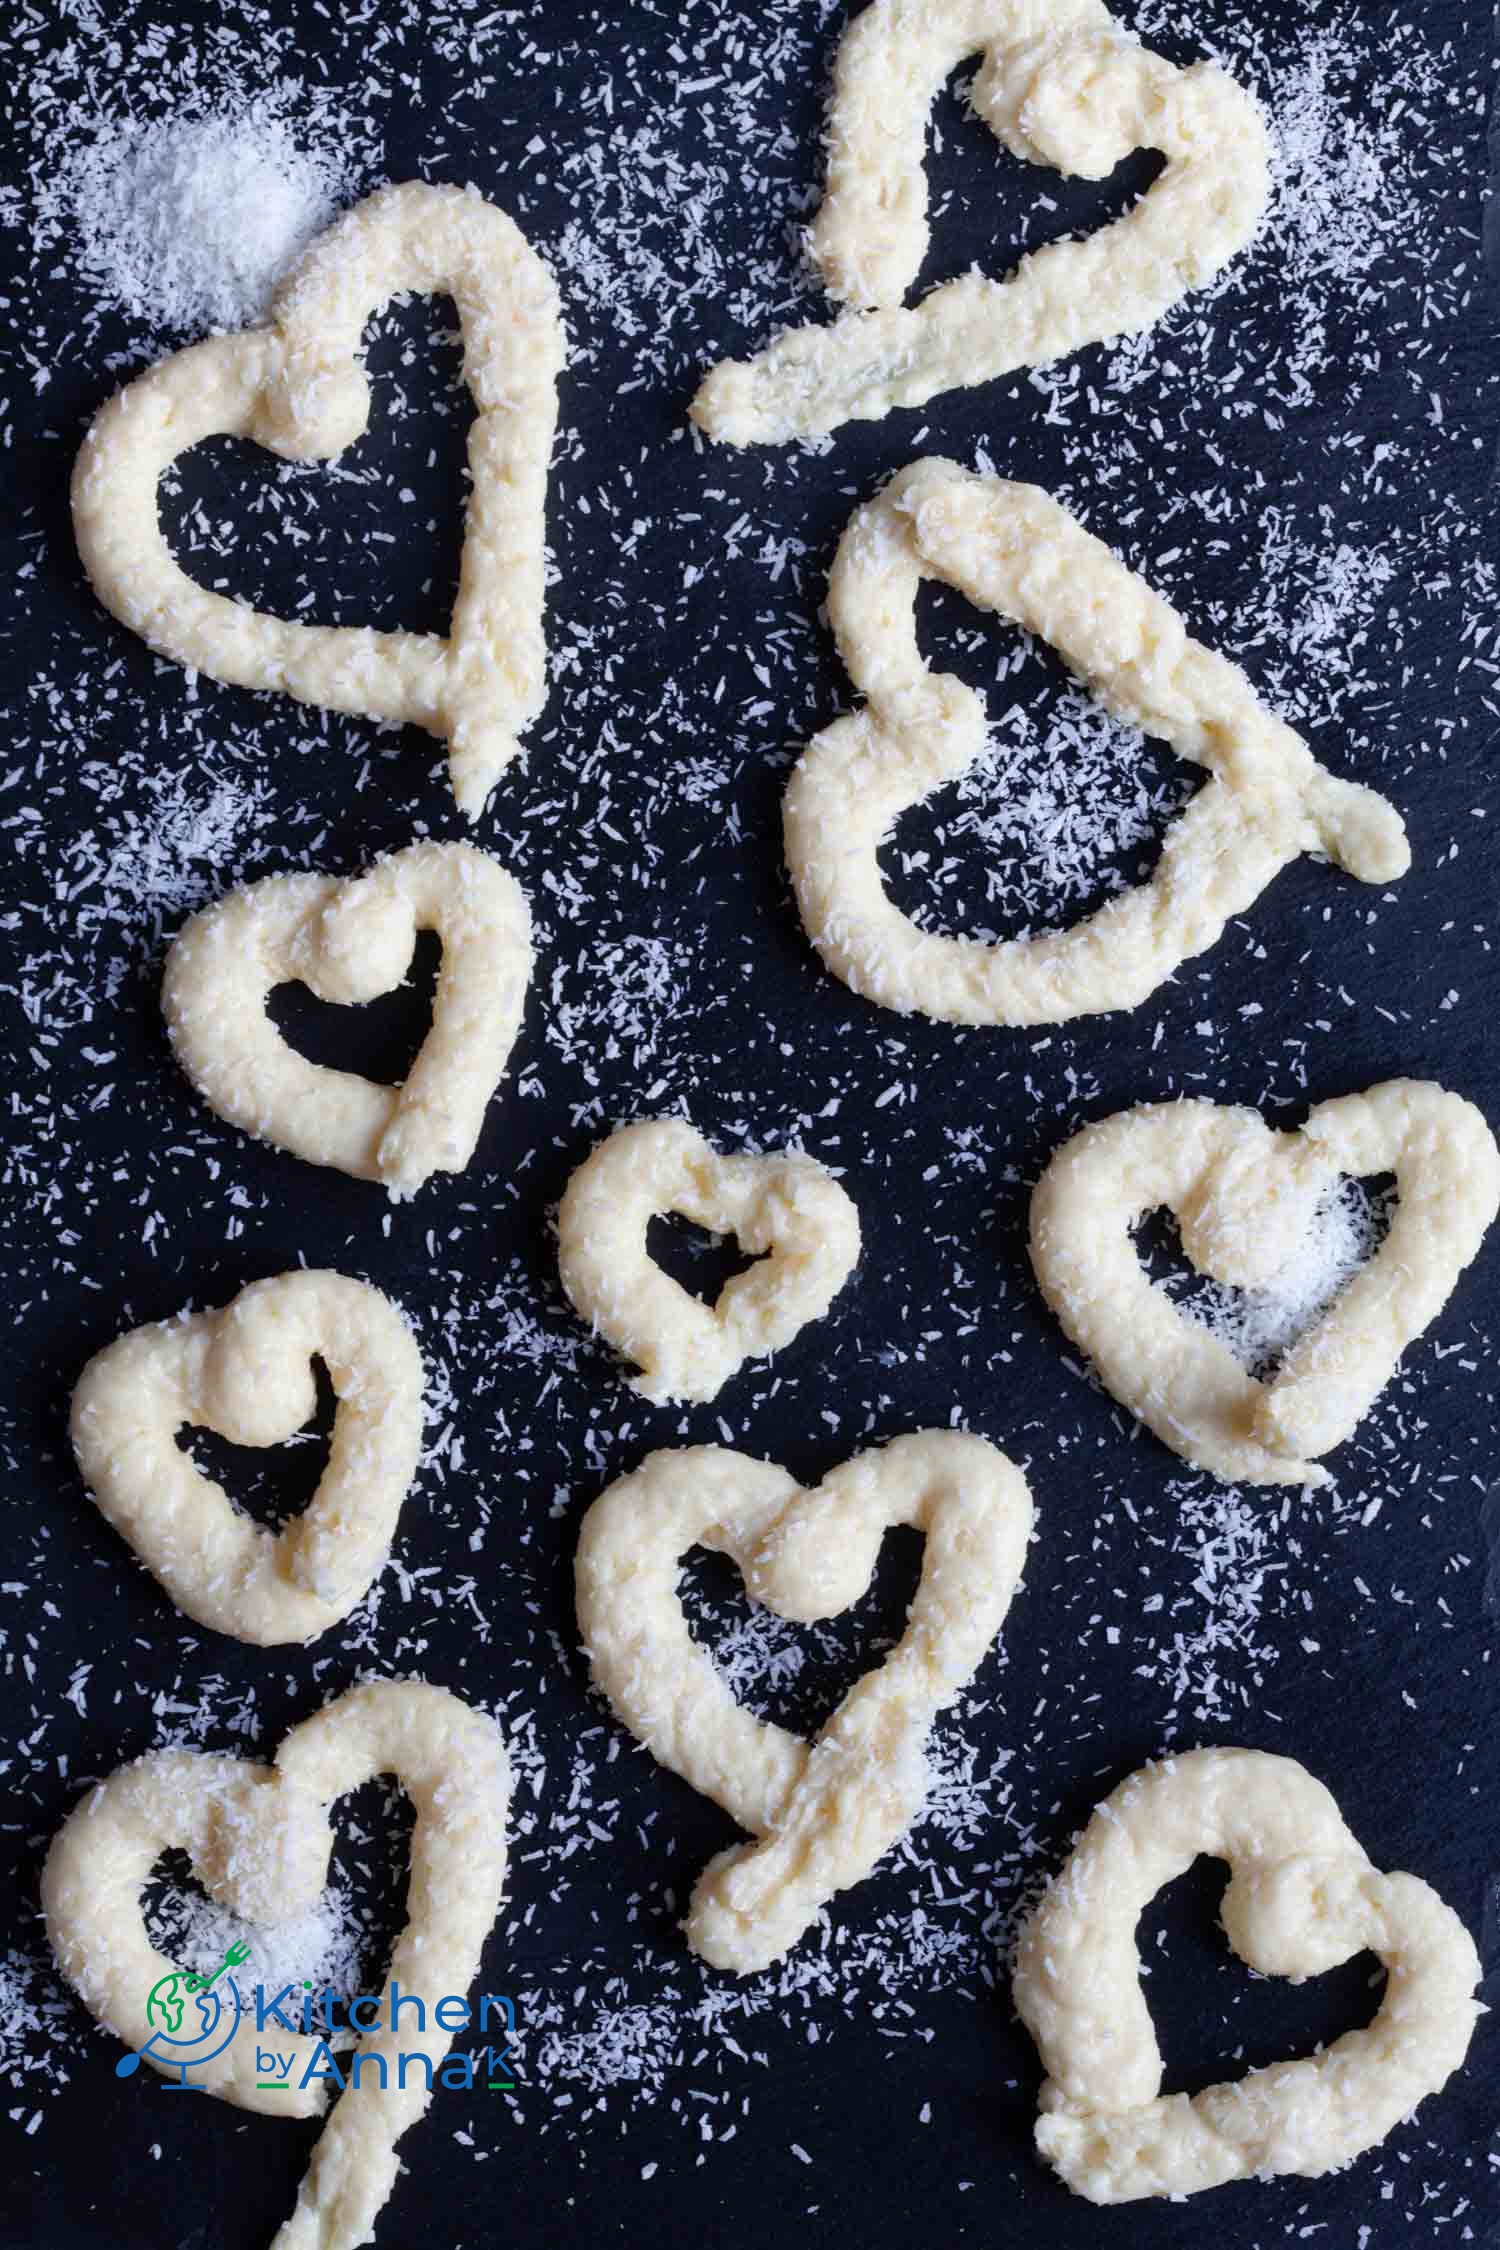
(698, 1260)
(272, 1484)
(1215, 2017)
(1262, 1325)
(1066, 806)
(373, 539)
(379, 1038)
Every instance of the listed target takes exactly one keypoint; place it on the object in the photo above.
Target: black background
(674, 642)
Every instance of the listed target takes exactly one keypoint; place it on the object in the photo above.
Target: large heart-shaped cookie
(1060, 85)
(258, 1838)
(350, 941)
(1011, 548)
(1303, 1899)
(1245, 1196)
(297, 387)
(823, 1812)
(786, 1210)
(246, 1372)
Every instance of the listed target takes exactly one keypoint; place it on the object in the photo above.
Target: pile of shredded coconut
(187, 222)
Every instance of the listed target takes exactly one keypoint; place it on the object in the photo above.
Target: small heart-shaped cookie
(259, 1839)
(1245, 1196)
(350, 941)
(1060, 85)
(1010, 548)
(823, 1812)
(1303, 1899)
(786, 1210)
(297, 387)
(246, 1372)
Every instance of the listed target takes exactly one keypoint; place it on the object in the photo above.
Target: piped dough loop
(297, 387)
(1060, 84)
(1245, 1194)
(786, 1210)
(259, 1839)
(349, 941)
(1303, 1899)
(246, 1373)
(1012, 549)
(823, 1812)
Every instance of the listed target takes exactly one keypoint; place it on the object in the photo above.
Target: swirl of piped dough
(1013, 549)
(1059, 85)
(246, 1372)
(1246, 1196)
(348, 941)
(1303, 1898)
(786, 1209)
(297, 386)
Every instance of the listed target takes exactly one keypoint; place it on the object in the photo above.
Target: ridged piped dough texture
(1302, 1899)
(348, 941)
(786, 1209)
(246, 1372)
(824, 1812)
(1061, 85)
(259, 1839)
(297, 386)
(1245, 1195)
(1011, 548)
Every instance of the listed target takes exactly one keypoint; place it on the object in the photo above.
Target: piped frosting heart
(822, 1813)
(246, 1372)
(1245, 1195)
(297, 387)
(786, 1210)
(1060, 84)
(349, 941)
(1012, 549)
(1303, 1898)
(259, 1838)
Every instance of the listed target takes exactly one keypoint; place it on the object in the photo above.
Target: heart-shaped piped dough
(1011, 548)
(259, 1839)
(297, 386)
(350, 941)
(1245, 1198)
(822, 1812)
(786, 1210)
(246, 1372)
(1060, 84)
(1303, 1899)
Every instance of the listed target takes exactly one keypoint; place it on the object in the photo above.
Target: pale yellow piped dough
(1060, 84)
(1303, 1898)
(246, 1372)
(1012, 549)
(297, 386)
(785, 1209)
(259, 1840)
(349, 941)
(1245, 1196)
(823, 1812)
